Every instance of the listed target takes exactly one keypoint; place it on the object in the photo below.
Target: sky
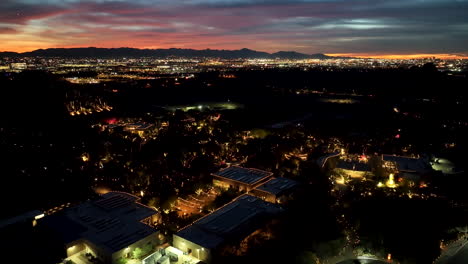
(352, 27)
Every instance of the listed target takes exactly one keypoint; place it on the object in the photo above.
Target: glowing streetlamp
(84, 157)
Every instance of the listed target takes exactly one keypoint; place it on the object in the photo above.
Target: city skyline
(293, 53)
(390, 29)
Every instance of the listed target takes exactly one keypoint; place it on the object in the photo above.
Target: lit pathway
(455, 253)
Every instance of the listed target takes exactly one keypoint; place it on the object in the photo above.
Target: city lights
(180, 158)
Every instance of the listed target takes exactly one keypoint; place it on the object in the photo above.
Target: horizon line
(400, 56)
(357, 55)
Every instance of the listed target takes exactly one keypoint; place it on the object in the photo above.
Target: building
(28, 217)
(137, 128)
(277, 190)
(411, 168)
(226, 226)
(169, 255)
(18, 66)
(108, 228)
(244, 179)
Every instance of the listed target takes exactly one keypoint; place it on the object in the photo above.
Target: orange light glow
(85, 157)
(400, 56)
(102, 190)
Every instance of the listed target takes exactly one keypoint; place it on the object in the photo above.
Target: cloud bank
(329, 26)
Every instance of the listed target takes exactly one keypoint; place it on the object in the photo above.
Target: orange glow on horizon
(400, 56)
(21, 49)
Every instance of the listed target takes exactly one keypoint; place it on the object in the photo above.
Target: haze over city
(353, 27)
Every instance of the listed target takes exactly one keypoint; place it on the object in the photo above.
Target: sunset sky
(363, 27)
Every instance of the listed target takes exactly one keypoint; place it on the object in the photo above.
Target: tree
(137, 253)
(375, 162)
(222, 199)
(169, 202)
(330, 248)
(122, 261)
(154, 202)
(307, 257)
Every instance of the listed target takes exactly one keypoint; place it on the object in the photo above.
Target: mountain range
(93, 52)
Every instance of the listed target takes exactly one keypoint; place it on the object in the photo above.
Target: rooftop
(21, 218)
(277, 185)
(111, 222)
(408, 164)
(244, 175)
(231, 222)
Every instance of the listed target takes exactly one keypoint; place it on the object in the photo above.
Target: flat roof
(111, 222)
(278, 185)
(231, 222)
(408, 164)
(20, 218)
(244, 175)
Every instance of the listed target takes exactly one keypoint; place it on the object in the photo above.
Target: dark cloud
(305, 25)
(7, 30)
(16, 12)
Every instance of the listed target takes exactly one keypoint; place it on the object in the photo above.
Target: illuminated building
(224, 227)
(244, 179)
(109, 228)
(19, 66)
(138, 128)
(407, 167)
(276, 190)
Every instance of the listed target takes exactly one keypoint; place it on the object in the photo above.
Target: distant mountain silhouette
(93, 52)
(9, 54)
(297, 55)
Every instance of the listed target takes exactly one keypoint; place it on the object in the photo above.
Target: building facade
(244, 179)
(109, 228)
(228, 225)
